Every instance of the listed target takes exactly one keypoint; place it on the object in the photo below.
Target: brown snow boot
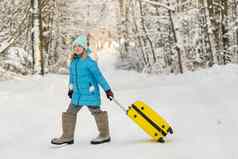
(101, 118)
(68, 126)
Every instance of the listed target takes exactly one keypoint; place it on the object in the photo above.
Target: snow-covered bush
(17, 60)
(7, 75)
(132, 62)
(61, 66)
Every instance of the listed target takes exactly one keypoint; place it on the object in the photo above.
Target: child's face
(78, 50)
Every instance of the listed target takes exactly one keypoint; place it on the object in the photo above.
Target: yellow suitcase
(148, 119)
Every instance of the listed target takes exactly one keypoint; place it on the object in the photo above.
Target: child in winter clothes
(84, 78)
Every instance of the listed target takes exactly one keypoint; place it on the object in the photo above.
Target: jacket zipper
(76, 80)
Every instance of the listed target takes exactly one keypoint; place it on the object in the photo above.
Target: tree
(38, 57)
(123, 27)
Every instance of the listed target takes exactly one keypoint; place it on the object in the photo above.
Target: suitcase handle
(119, 104)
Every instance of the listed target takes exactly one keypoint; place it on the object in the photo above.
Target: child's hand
(70, 93)
(71, 55)
(109, 94)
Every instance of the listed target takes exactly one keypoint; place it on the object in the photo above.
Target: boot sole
(100, 142)
(68, 142)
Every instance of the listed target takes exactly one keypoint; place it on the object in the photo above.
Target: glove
(70, 93)
(109, 94)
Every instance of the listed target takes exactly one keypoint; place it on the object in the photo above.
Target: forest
(150, 36)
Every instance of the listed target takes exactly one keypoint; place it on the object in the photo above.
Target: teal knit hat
(81, 40)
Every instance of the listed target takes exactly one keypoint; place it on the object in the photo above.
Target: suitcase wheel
(161, 140)
(170, 130)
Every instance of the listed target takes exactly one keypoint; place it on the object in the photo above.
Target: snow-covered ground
(201, 107)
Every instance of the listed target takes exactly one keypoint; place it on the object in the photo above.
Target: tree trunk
(139, 39)
(235, 5)
(213, 57)
(225, 38)
(175, 40)
(126, 44)
(146, 33)
(38, 64)
(123, 26)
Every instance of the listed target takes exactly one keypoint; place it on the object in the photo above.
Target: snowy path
(201, 106)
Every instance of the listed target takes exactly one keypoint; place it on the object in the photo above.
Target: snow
(159, 4)
(5, 45)
(201, 107)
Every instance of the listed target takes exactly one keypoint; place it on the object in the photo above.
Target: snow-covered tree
(179, 35)
(154, 36)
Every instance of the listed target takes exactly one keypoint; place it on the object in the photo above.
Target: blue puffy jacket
(85, 77)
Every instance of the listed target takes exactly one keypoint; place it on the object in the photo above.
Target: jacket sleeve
(93, 68)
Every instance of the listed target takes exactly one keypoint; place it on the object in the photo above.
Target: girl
(84, 78)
